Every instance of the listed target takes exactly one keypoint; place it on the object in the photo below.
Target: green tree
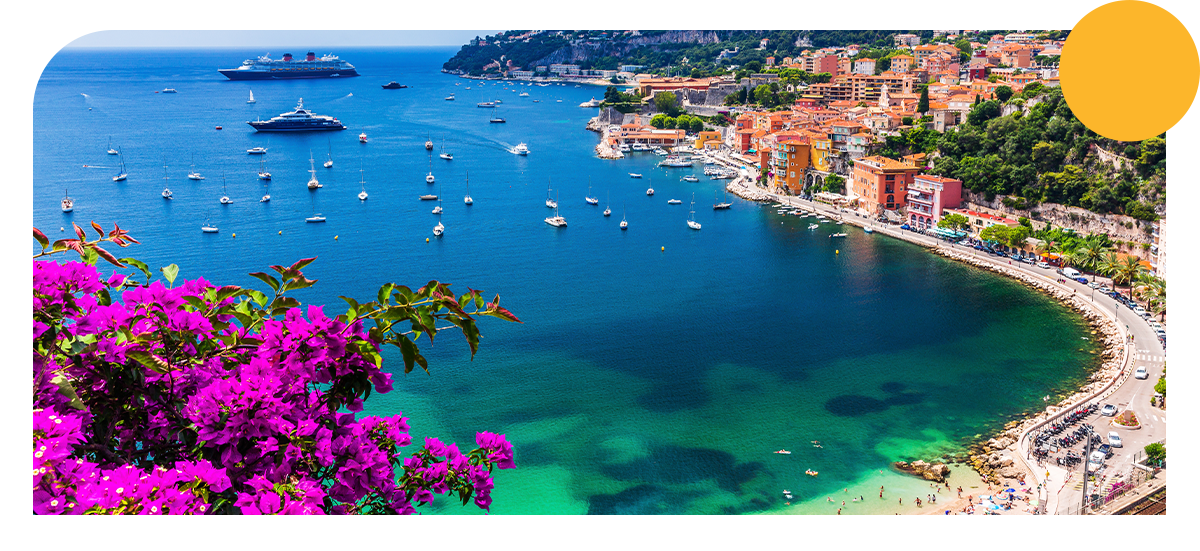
(1156, 452)
(835, 184)
(658, 121)
(1161, 386)
(697, 125)
(753, 66)
(964, 50)
(667, 102)
(1003, 93)
(923, 103)
(612, 95)
(954, 222)
(1152, 152)
(906, 121)
(1016, 237)
(1024, 221)
(997, 233)
(763, 95)
(984, 112)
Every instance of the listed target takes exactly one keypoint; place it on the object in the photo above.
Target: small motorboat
(690, 178)
(208, 229)
(634, 175)
(256, 150)
(674, 202)
(650, 191)
(362, 138)
(810, 472)
(393, 85)
(813, 226)
(837, 235)
(218, 127)
(784, 452)
(449, 98)
(429, 197)
(868, 230)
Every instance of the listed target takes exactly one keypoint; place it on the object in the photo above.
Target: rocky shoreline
(993, 457)
(603, 150)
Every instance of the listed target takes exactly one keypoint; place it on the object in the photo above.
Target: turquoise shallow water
(643, 380)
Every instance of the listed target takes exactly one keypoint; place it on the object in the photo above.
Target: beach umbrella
(1010, 490)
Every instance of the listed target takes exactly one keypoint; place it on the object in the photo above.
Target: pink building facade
(928, 195)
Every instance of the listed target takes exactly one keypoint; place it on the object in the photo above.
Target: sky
(270, 39)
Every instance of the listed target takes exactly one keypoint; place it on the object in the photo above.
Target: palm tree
(1124, 271)
(1046, 248)
(1091, 255)
(1108, 265)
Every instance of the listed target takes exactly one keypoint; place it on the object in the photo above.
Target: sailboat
(444, 155)
(68, 204)
(192, 174)
(251, 100)
(650, 190)
(439, 229)
(467, 198)
(312, 182)
(121, 175)
(362, 195)
(329, 163)
(624, 224)
(556, 220)
(551, 203)
(112, 151)
(438, 208)
(316, 217)
(262, 169)
(208, 227)
(428, 144)
(723, 205)
(692, 223)
(266, 198)
(166, 192)
(590, 200)
(429, 177)
(225, 200)
(607, 211)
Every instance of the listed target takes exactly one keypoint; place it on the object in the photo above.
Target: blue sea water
(656, 369)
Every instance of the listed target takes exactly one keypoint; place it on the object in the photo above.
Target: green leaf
(299, 282)
(170, 272)
(150, 361)
(268, 279)
(41, 238)
(139, 265)
(352, 312)
(228, 291)
(106, 255)
(258, 297)
(411, 355)
(196, 302)
(61, 245)
(385, 292)
(90, 256)
(67, 390)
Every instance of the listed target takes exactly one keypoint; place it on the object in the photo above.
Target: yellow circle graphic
(1106, 47)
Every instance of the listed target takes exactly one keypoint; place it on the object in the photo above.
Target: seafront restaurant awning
(830, 198)
(948, 233)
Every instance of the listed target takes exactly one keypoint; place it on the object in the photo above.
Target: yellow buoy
(664, 248)
(426, 239)
(835, 251)
(280, 232)
(235, 235)
(335, 238)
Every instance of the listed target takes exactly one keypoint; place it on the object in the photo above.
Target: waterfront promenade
(1059, 488)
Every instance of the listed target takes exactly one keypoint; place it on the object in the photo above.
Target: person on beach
(901, 501)
(839, 510)
(918, 502)
(829, 499)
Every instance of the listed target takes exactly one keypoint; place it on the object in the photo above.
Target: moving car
(1108, 410)
(1140, 373)
(1043, 265)
(1081, 280)
(1114, 439)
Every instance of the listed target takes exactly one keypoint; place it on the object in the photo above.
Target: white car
(1140, 373)
(1108, 410)
(1114, 439)
(1043, 265)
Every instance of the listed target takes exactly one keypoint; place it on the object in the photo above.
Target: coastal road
(1133, 394)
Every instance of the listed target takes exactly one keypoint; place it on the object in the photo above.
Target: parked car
(1043, 265)
(1108, 410)
(1141, 373)
(1095, 462)
(1094, 285)
(1105, 449)
(1081, 280)
(1114, 439)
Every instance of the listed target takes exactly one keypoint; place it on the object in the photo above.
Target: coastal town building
(879, 183)
(980, 221)
(928, 196)
(864, 66)
(564, 69)
(906, 40)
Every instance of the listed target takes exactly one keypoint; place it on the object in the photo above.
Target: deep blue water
(657, 368)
